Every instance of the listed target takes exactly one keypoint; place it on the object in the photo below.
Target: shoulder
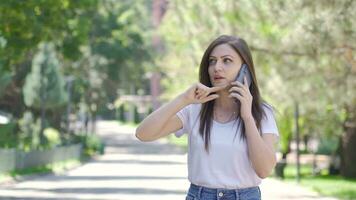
(190, 110)
(268, 110)
(193, 107)
(268, 121)
(266, 105)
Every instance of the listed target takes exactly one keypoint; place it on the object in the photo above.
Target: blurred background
(66, 65)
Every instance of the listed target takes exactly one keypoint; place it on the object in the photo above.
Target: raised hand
(242, 93)
(199, 93)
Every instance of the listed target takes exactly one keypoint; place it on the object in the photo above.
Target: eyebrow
(222, 56)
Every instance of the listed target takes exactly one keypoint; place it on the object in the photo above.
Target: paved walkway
(130, 170)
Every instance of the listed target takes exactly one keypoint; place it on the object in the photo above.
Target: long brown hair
(206, 113)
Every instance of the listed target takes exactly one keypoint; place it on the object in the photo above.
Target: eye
(227, 60)
(212, 61)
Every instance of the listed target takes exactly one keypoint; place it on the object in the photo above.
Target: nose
(218, 66)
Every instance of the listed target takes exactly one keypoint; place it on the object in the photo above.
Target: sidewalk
(277, 190)
(131, 170)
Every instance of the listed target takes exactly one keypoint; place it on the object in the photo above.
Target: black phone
(244, 71)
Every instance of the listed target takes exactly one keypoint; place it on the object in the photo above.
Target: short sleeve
(268, 122)
(183, 115)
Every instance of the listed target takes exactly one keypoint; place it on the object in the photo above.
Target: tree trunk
(348, 155)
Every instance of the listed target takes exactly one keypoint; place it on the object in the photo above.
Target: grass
(324, 184)
(57, 167)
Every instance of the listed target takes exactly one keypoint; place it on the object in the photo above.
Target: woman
(232, 134)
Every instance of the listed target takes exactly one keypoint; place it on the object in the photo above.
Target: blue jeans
(203, 193)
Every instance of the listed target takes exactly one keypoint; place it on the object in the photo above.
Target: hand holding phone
(244, 71)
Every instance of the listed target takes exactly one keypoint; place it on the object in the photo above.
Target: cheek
(235, 71)
(210, 72)
(234, 74)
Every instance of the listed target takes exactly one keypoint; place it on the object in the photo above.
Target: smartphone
(244, 71)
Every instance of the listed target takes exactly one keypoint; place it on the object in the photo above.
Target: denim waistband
(218, 190)
(200, 191)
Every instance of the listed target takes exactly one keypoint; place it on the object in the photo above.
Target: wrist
(182, 98)
(248, 117)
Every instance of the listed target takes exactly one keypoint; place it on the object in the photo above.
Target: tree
(44, 86)
(24, 25)
(102, 44)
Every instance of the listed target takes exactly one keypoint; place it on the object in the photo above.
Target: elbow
(140, 136)
(264, 173)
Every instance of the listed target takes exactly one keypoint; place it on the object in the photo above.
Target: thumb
(210, 97)
(218, 88)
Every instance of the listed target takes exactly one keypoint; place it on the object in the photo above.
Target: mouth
(218, 78)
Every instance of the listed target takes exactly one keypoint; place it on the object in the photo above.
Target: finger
(199, 96)
(240, 90)
(235, 95)
(217, 88)
(199, 88)
(234, 88)
(202, 87)
(237, 83)
(198, 92)
(201, 93)
(204, 92)
(210, 97)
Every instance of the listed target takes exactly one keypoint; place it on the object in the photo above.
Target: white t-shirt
(227, 165)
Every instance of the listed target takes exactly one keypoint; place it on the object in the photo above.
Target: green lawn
(326, 185)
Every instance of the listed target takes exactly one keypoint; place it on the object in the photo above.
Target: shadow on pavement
(98, 178)
(141, 162)
(101, 190)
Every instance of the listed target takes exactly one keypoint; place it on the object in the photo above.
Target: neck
(224, 102)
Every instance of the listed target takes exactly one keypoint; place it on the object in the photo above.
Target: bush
(92, 144)
(52, 137)
(327, 145)
(29, 132)
(7, 135)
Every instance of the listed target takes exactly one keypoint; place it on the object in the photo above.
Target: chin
(219, 83)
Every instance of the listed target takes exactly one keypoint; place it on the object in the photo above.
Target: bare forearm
(151, 126)
(262, 157)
